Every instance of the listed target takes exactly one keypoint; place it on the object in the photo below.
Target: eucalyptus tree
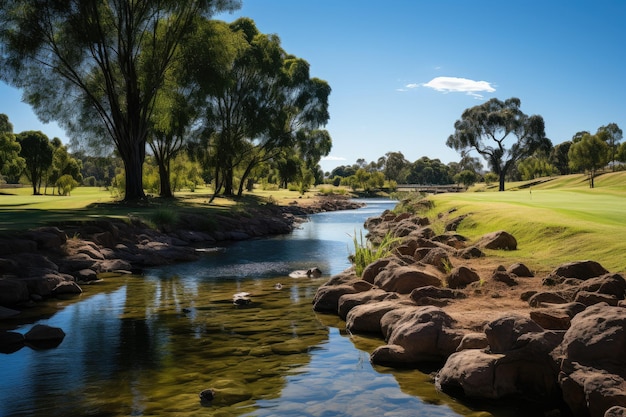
(11, 163)
(486, 127)
(559, 157)
(257, 103)
(395, 166)
(62, 164)
(612, 135)
(37, 152)
(590, 154)
(96, 67)
(171, 127)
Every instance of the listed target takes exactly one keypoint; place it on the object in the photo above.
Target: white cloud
(333, 158)
(456, 85)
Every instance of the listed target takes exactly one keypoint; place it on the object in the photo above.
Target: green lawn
(20, 210)
(557, 221)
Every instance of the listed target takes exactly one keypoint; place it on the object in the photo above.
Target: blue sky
(403, 71)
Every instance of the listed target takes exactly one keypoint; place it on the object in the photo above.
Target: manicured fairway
(558, 221)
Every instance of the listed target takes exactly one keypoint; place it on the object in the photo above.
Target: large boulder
(593, 363)
(416, 334)
(461, 276)
(365, 318)
(516, 364)
(349, 301)
(327, 296)
(13, 292)
(556, 316)
(580, 270)
(504, 332)
(404, 279)
(498, 240)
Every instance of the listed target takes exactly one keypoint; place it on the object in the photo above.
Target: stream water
(148, 345)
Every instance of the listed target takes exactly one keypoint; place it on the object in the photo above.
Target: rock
(461, 276)
(349, 301)
(546, 297)
(520, 270)
(526, 370)
(593, 364)
(365, 318)
(51, 238)
(207, 396)
(590, 298)
(416, 334)
(42, 336)
(505, 278)
(11, 341)
(327, 296)
(438, 258)
(433, 292)
(404, 279)
(609, 284)
(471, 252)
(308, 273)
(13, 292)
(241, 299)
(470, 373)
(580, 269)
(473, 341)
(373, 269)
(556, 316)
(503, 333)
(498, 240)
(67, 287)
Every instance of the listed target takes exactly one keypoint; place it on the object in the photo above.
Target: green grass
(555, 221)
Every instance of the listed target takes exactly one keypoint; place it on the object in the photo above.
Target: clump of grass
(365, 252)
(164, 217)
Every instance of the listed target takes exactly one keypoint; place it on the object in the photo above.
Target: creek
(148, 345)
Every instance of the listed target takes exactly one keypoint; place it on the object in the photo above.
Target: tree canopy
(486, 127)
(590, 153)
(37, 152)
(97, 67)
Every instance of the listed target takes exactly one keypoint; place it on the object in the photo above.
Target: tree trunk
(164, 178)
(133, 166)
(228, 181)
(502, 175)
(245, 175)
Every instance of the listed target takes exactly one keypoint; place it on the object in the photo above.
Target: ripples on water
(146, 346)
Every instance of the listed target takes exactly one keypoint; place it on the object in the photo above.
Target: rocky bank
(60, 260)
(498, 332)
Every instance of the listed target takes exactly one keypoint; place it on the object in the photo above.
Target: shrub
(66, 184)
(164, 217)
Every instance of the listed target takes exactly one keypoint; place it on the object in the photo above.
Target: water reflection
(146, 346)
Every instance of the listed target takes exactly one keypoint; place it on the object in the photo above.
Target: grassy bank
(20, 210)
(554, 220)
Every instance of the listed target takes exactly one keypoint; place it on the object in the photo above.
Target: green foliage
(466, 177)
(535, 167)
(37, 153)
(365, 253)
(485, 127)
(590, 154)
(66, 184)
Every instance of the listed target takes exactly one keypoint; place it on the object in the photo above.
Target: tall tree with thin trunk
(37, 151)
(486, 127)
(96, 67)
